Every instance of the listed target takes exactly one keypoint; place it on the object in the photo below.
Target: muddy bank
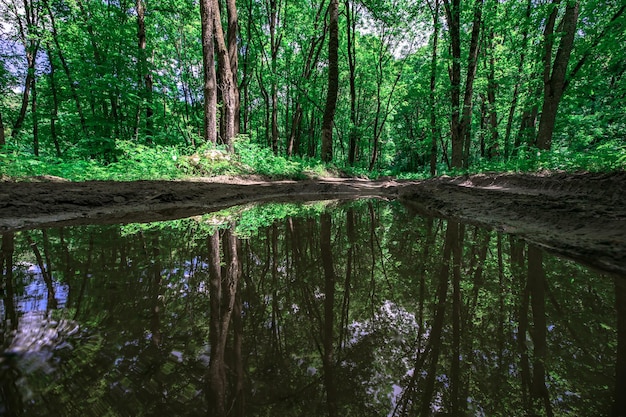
(582, 216)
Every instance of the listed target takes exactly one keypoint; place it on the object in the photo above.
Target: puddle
(360, 308)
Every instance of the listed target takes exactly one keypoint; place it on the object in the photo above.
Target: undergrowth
(132, 161)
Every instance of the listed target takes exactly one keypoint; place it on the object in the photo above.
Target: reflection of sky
(35, 297)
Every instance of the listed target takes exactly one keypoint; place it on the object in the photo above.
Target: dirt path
(582, 216)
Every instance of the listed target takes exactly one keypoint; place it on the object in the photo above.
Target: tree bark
(2, 137)
(145, 75)
(227, 86)
(208, 60)
(554, 73)
(432, 97)
(333, 82)
(472, 64)
(351, 32)
(520, 68)
(233, 54)
(66, 67)
(55, 104)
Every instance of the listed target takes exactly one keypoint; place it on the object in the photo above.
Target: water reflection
(362, 309)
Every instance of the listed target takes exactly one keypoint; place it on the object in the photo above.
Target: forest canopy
(165, 88)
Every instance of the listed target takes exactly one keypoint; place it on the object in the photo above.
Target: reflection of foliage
(140, 294)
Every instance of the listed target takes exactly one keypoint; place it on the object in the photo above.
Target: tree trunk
(520, 68)
(472, 63)
(453, 18)
(55, 104)
(554, 73)
(66, 67)
(433, 81)
(231, 35)
(333, 82)
(145, 75)
(2, 138)
(208, 60)
(351, 31)
(33, 109)
(228, 87)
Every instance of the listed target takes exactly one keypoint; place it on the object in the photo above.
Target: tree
(209, 89)
(554, 72)
(333, 82)
(227, 84)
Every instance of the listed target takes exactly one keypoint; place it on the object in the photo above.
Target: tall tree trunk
(554, 73)
(2, 137)
(472, 64)
(460, 124)
(233, 54)
(315, 48)
(55, 104)
(273, 21)
(33, 110)
(351, 31)
(208, 60)
(492, 84)
(65, 66)
(433, 83)
(333, 82)
(520, 68)
(145, 75)
(453, 18)
(227, 86)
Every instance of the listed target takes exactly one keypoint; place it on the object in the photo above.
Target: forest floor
(582, 216)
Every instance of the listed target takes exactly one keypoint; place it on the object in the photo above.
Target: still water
(323, 309)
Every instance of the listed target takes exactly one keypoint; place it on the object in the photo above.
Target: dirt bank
(582, 216)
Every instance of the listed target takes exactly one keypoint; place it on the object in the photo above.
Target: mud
(582, 216)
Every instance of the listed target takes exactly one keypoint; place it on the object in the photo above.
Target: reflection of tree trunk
(536, 281)
(517, 269)
(6, 267)
(222, 306)
(217, 373)
(349, 272)
(155, 318)
(85, 274)
(45, 271)
(455, 371)
(437, 327)
(619, 406)
(329, 301)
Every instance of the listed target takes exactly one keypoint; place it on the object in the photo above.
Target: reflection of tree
(223, 290)
(441, 322)
(619, 405)
(44, 267)
(536, 286)
(328, 360)
(9, 393)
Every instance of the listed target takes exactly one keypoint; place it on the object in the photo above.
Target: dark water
(359, 309)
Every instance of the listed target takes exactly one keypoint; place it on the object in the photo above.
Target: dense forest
(369, 86)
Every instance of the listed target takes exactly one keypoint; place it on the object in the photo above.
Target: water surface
(356, 309)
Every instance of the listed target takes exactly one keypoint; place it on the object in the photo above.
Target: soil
(581, 216)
